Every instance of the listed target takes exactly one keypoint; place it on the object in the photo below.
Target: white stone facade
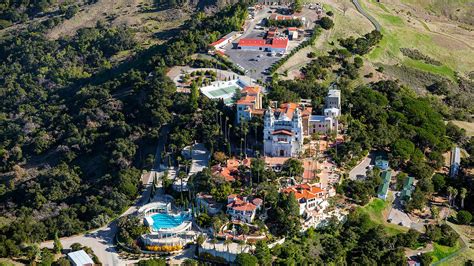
(283, 136)
(328, 122)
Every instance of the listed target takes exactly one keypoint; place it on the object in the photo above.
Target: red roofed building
(241, 208)
(219, 44)
(249, 104)
(293, 33)
(230, 172)
(277, 45)
(309, 196)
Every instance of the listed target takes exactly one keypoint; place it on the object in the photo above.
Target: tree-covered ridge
(75, 128)
(17, 11)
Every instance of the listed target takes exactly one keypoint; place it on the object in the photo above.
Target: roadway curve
(367, 15)
(101, 240)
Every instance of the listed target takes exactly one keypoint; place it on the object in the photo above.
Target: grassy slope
(377, 209)
(441, 252)
(400, 30)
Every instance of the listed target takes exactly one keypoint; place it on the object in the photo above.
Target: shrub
(464, 217)
(358, 62)
(330, 13)
(326, 23)
(417, 55)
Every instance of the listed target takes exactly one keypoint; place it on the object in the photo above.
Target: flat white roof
(80, 257)
(456, 156)
(317, 118)
(334, 93)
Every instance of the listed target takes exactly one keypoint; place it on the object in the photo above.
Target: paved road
(360, 170)
(101, 240)
(367, 15)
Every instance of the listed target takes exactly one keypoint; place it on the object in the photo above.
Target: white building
(455, 162)
(283, 131)
(241, 208)
(327, 122)
(310, 197)
(333, 99)
(80, 258)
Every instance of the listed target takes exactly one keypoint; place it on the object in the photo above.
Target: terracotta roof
(292, 29)
(282, 132)
(305, 191)
(247, 100)
(258, 112)
(247, 162)
(218, 42)
(252, 42)
(257, 201)
(251, 90)
(275, 160)
(288, 109)
(273, 43)
(232, 163)
(240, 205)
(280, 17)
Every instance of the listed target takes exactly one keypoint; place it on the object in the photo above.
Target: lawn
(441, 251)
(375, 209)
(468, 126)
(459, 259)
(402, 30)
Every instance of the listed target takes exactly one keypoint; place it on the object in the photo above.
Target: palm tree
(227, 243)
(225, 128)
(455, 193)
(450, 194)
(462, 195)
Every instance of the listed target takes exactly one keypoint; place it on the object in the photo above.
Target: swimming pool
(166, 221)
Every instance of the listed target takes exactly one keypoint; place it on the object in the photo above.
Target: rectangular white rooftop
(80, 258)
(334, 93)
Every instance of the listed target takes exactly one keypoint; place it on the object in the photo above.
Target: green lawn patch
(375, 211)
(393, 20)
(440, 252)
(440, 70)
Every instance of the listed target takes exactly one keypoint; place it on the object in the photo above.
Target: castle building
(286, 127)
(283, 131)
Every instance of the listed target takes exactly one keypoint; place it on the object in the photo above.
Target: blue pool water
(165, 221)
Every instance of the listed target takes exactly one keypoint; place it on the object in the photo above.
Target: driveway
(367, 15)
(359, 172)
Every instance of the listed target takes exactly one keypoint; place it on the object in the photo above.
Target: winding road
(367, 15)
(101, 240)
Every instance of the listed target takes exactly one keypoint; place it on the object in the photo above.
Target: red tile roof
(218, 42)
(240, 205)
(275, 160)
(273, 43)
(305, 191)
(282, 132)
(251, 90)
(247, 100)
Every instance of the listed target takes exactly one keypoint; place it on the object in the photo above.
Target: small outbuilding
(80, 258)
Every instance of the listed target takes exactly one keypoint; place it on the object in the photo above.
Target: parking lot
(257, 63)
